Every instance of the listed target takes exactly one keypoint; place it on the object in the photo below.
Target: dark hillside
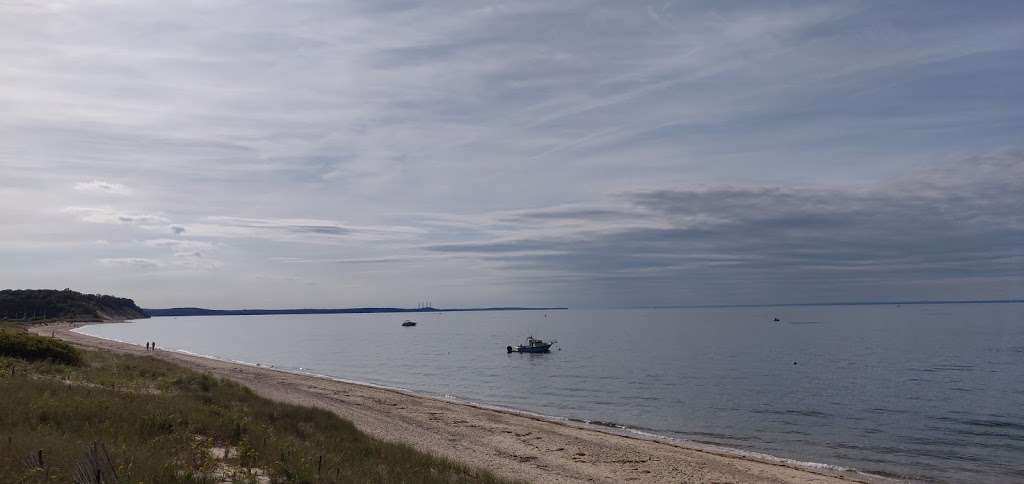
(28, 305)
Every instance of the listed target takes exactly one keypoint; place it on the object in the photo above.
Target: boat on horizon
(533, 345)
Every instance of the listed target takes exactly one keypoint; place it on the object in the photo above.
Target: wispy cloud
(135, 263)
(179, 244)
(110, 216)
(102, 187)
(167, 255)
(361, 260)
(297, 230)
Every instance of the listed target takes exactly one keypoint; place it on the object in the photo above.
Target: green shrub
(26, 346)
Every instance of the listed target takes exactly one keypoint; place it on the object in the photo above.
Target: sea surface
(923, 391)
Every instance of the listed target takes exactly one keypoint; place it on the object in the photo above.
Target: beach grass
(140, 419)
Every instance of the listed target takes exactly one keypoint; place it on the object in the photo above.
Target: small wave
(994, 424)
(989, 422)
(720, 437)
(945, 368)
(600, 423)
(217, 358)
(801, 413)
(884, 410)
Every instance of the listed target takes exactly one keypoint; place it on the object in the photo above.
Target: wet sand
(509, 444)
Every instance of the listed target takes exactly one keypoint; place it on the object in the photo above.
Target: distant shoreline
(369, 310)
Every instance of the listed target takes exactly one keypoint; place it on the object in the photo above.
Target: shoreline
(610, 428)
(512, 443)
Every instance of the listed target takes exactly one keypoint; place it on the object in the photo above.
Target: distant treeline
(27, 305)
(257, 312)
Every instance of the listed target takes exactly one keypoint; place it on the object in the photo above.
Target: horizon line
(841, 303)
(659, 306)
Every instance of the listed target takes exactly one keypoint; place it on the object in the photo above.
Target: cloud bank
(953, 225)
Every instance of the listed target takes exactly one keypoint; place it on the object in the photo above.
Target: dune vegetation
(104, 417)
(21, 344)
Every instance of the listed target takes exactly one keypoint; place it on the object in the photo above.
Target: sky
(481, 153)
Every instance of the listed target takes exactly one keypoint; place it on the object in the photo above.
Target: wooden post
(39, 456)
(319, 467)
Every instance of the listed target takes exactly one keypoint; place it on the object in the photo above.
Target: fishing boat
(408, 323)
(533, 345)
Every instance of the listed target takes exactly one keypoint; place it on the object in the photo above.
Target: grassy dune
(20, 344)
(149, 421)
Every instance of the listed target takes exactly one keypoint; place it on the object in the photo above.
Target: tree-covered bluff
(28, 305)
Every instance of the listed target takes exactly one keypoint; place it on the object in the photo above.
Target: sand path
(508, 444)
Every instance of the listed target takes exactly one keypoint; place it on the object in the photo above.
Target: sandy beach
(509, 444)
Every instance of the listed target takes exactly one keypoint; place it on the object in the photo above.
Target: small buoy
(794, 362)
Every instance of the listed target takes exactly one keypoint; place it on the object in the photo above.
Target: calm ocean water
(927, 391)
